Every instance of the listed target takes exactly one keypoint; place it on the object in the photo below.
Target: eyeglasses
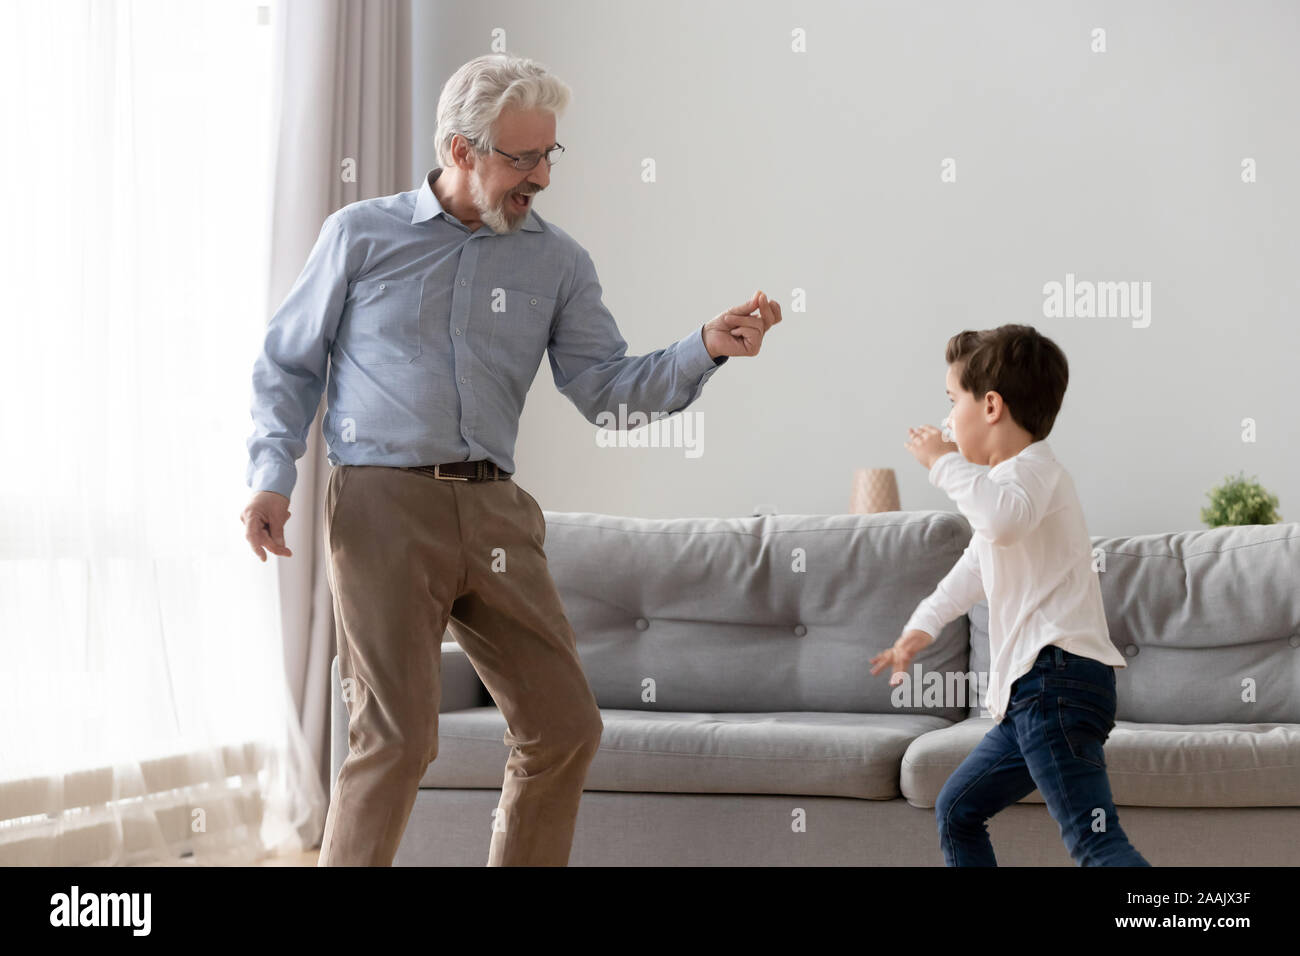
(526, 161)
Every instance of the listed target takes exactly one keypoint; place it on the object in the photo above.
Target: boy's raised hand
(908, 645)
(927, 446)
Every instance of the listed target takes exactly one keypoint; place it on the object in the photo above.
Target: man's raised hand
(738, 331)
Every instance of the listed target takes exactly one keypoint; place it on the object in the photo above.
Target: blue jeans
(1059, 715)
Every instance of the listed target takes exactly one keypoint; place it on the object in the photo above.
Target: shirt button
(383, 286)
(458, 331)
(462, 281)
(642, 624)
(462, 379)
(800, 630)
(532, 301)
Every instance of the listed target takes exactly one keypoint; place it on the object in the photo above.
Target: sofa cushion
(1209, 622)
(821, 754)
(749, 615)
(1149, 765)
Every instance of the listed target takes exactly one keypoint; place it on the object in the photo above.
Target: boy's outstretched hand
(900, 655)
(926, 444)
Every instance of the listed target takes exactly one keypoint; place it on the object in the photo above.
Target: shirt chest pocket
(520, 321)
(381, 321)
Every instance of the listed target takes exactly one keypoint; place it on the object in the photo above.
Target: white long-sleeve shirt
(1030, 556)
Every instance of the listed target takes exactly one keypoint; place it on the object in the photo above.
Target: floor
(306, 858)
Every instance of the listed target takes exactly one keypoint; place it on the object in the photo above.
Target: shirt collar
(1038, 450)
(427, 205)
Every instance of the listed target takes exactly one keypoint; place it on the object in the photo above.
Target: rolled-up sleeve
(289, 372)
(591, 368)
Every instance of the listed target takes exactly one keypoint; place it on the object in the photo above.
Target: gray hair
(475, 95)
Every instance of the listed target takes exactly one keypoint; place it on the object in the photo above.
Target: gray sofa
(742, 725)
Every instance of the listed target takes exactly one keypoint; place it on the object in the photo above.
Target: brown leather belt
(464, 471)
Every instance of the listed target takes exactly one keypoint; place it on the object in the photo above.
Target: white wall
(821, 170)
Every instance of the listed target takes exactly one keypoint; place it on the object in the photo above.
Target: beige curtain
(342, 105)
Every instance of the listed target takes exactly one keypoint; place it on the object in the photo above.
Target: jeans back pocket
(1085, 728)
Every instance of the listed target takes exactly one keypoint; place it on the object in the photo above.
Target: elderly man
(433, 308)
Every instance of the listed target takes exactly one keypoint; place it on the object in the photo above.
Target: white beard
(493, 215)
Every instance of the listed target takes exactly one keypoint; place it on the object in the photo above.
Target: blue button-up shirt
(432, 335)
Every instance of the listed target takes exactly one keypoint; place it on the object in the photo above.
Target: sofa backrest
(762, 614)
(1209, 622)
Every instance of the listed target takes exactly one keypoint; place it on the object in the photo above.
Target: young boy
(1051, 689)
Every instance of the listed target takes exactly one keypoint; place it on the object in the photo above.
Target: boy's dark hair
(1025, 367)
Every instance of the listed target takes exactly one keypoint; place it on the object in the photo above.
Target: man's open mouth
(521, 200)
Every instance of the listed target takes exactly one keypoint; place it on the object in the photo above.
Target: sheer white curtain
(144, 715)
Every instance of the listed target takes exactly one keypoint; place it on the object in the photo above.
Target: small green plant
(1238, 501)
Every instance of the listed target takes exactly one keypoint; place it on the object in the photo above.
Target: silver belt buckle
(437, 473)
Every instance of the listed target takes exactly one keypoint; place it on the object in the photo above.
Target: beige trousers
(409, 556)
